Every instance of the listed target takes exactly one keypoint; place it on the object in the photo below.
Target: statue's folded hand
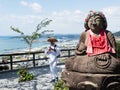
(81, 49)
(104, 56)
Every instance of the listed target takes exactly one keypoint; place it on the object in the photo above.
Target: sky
(67, 15)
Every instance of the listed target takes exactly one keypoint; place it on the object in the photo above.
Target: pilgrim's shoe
(53, 80)
(56, 79)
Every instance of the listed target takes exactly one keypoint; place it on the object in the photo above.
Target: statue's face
(95, 23)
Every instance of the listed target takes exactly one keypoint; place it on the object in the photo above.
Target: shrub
(24, 75)
(29, 39)
(60, 85)
(118, 49)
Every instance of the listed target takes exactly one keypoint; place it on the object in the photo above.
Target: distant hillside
(117, 33)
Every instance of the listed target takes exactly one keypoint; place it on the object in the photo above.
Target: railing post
(69, 53)
(33, 59)
(11, 62)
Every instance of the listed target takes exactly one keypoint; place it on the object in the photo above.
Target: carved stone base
(86, 81)
(87, 64)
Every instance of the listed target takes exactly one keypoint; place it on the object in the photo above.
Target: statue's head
(95, 20)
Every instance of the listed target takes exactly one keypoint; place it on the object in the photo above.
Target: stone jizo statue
(94, 54)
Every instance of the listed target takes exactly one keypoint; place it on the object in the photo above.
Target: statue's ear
(104, 23)
(102, 26)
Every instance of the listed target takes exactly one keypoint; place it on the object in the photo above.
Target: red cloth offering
(98, 44)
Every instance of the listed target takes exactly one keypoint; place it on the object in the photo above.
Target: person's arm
(57, 50)
(47, 51)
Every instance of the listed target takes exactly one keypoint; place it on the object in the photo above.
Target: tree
(29, 39)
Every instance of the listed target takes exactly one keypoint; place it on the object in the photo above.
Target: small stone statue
(94, 54)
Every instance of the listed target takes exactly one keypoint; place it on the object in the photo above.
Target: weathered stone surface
(87, 81)
(93, 64)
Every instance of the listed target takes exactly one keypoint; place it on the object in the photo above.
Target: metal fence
(34, 58)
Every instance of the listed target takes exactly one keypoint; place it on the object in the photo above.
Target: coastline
(66, 45)
(63, 45)
(11, 44)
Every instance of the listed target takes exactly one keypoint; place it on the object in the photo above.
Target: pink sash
(98, 44)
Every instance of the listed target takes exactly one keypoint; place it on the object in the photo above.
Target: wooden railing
(34, 57)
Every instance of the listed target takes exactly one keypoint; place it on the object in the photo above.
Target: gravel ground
(9, 80)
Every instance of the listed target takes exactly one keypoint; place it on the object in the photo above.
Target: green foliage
(118, 49)
(117, 33)
(62, 60)
(6, 57)
(24, 75)
(29, 39)
(60, 85)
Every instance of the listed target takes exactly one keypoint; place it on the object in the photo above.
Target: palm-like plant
(29, 39)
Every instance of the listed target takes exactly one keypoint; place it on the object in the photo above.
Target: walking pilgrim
(52, 52)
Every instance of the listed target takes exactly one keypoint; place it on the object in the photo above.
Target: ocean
(10, 44)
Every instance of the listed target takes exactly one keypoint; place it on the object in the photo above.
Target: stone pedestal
(86, 81)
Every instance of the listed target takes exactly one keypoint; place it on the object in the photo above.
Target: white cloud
(64, 22)
(77, 12)
(68, 21)
(26, 23)
(113, 17)
(34, 6)
(73, 21)
(24, 3)
(112, 10)
(70, 16)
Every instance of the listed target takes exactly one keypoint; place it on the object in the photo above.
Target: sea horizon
(15, 43)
